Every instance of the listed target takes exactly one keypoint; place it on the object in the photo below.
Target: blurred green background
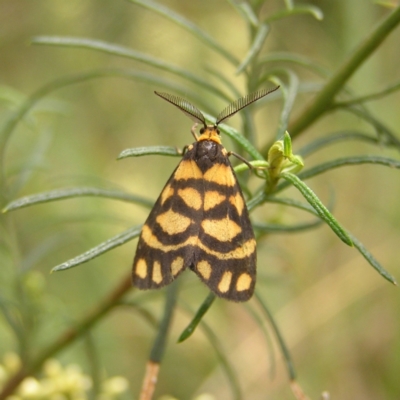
(339, 318)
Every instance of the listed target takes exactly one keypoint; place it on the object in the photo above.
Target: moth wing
(226, 250)
(169, 235)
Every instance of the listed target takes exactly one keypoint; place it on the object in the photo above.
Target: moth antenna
(187, 108)
(241, 103)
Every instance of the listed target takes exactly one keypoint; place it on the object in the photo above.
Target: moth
(200, 219)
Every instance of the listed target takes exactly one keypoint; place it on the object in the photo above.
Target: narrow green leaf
(22, 111)
(160, 341)
(289, 93)
(259, 198)
(214, 341)
(62, 194)
(280, 228)
(322, 211)
(341, 162)
(277, 228)
(251, 309)
(187, 332)
(293, 58)
(303, 9)
(149, 150)
(246, 11)
(256, 46)
(256, 164)
(187, 25)
(284, 348)
(371, 260)
(336, 137)
(102, 248)
(241, 141)
(122, 51)
(289, 4)
(287, 145)
(31, 163)
(324, 99)
(233, 379)
(369, 97)
(390, 137)
(292, 203)
(289, 97)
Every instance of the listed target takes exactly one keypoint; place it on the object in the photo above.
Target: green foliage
(210, 65)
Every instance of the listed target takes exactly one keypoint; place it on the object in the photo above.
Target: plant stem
(159, 344)
(110, 301)
(324, 99)
(157, 351)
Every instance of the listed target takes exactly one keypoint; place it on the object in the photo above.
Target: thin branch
(324, 99)
(69, 336)
(157, 351)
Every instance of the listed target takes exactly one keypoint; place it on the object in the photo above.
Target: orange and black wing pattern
(200, 221)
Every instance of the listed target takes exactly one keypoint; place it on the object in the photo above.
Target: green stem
(68, 337)
(369, 97)
(324, 99)
(157, 351)
(207, 303)
(284, 348)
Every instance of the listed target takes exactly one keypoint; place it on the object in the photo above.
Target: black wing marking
(226, 252)
(170, 233)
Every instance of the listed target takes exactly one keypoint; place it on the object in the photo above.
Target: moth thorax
(207, 150)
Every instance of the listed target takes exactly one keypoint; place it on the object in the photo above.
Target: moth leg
(183, 151)
(231, 153)
(193, 131)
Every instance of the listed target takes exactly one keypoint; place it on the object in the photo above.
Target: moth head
(210, 132)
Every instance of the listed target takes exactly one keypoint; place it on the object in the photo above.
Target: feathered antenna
(241, 103)
(189, 109)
